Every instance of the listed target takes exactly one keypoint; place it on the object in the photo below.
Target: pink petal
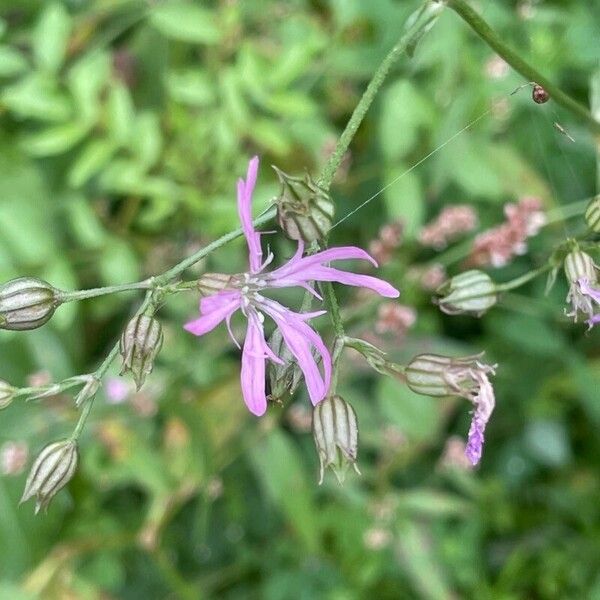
(588, 290)
(299, 337)
(210, 303)
(253, 368)
(245, 190)
(209, 321)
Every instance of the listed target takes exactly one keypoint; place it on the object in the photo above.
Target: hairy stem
(494, 40)
(426, 18)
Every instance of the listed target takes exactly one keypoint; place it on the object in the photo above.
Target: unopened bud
(304, 210)
(213, 283)
(27, 303)
(335, 431)
(435, 375)
(592, 214)
(51, 471)
(580, 265)
(141, 341)
(7, 393)
(472, 292)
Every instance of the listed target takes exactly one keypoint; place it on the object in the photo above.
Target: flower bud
(51, 471)
(472, 292)
(580, 265)
(27, 303)
(7, 393)
(304, 210)
(141, 341)
(435, 375)
(592, 214)
(335, 431)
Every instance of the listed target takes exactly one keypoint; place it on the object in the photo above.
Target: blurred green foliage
(123, 127)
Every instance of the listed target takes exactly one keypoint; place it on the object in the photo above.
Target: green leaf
(84, 222)
(60, 273)
(146, 141)
(120, 112)
(37, 97)
(55, 140)
(95, 155)
(51, 37)
(12, 62)
(87, 79)
(186, 22)
(404, 199)
(278, 467)
(118, 263)
(191, 87)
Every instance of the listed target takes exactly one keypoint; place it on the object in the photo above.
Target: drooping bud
(88, 391)
(436, 375)
(592, 214)
(335, 431)
(141, 341)
(468, 377)
(51, 471)
(27, 303)
(580, 265)
(7, 393)
(213, 283)
(304, 210)
(472, 292)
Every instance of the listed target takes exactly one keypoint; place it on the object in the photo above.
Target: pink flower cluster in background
(390, 238)
(450, 224)
(497, 246)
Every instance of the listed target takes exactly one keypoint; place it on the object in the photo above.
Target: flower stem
(427, 16)
(523, 279)
(103, 291)
(485, 32)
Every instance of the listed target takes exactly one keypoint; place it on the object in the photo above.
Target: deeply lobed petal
(245, 190)
(253, 367)
(300, 338)
(221, 310)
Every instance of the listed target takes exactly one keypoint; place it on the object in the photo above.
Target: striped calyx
(304, 210)
(592, 214)
(213, 283)
(140, 343)
(27, 303)
(436, 375)
(580, 265)
(51, 471)
(335, 431)
(472, 293)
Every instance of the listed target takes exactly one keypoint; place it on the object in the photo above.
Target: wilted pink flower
(498, 245)
(484, 401)
(244, 293)
(585, 298)
(390, 237)
(449, 224)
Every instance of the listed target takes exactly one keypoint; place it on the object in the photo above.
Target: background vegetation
(123, 127)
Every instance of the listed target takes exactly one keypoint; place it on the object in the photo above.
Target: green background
(123, 128)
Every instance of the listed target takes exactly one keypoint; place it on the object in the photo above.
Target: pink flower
(583, 296)
(245, 293)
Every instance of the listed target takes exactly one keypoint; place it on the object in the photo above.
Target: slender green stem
(426, 18)
(484, 31)
(103, 291)
(519, 281)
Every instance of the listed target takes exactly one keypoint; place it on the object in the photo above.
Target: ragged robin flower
(245, 293)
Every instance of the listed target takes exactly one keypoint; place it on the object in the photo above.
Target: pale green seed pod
(472, 293)
(592, 214)
(304, 210)
(335, 431)
(7, 393)
(140, 343)
(580, 265)
(27, 303)
(51, 471)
